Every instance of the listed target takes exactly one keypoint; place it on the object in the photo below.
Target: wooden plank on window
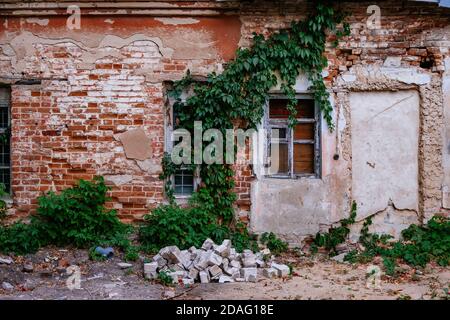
(278, 109)
(304, 131)
(303, 158)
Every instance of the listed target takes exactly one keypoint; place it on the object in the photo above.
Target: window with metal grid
(183, 178)
(184, 181)
(5, 150)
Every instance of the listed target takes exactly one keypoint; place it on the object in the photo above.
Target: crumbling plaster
(189, 40)
(446, 139)
(394, 217)
(385, 131)
(299, 208)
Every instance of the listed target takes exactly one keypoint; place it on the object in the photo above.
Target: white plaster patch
(390, 221)
(385, 135)
(392, 62)
(177, 21)
(118, 180)
(41, 22)
(390, 71)
(348, 77)
(150, 166)
(406, 75)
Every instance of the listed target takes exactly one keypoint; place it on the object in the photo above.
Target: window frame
(3, 130)
(174, 185)
(169, 144)
(270, 124)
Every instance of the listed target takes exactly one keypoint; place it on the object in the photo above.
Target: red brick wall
(63, 131)
(66, 127)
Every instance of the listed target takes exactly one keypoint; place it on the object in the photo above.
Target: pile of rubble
(213, 262)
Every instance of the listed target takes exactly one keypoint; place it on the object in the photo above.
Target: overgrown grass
(335, 235)
(418, 246)
(3, 208)
(275, 244)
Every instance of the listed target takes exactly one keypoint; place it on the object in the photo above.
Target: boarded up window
(293, 151)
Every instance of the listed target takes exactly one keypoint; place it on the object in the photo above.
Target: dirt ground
(313, 278)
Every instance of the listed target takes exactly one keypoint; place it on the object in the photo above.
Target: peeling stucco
(177, 21)
(136, 144)
(446, 140)
(386, 117)
(177, 38)
(150, 166)
(23, 46)
(41, 22)
(118, 180)
(385, 137)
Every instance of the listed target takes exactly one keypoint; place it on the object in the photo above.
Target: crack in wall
(23, 46)
(390, 107)
(431, 109)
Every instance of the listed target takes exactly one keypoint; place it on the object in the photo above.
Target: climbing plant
(3, 206)
(168, 169)
(241, 91)
(419, 245)
(335, 235)
(4, 136)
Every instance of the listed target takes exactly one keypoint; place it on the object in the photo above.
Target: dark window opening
(5, 148)
(427, 62)
(184, 181)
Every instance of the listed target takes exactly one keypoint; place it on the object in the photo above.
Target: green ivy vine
(4, 136)
(242, 89)
(168, 169)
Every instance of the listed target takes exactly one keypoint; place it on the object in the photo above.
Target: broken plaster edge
(402, 75)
